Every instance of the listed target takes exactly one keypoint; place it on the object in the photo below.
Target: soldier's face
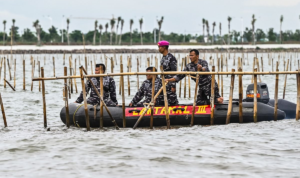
(161, 49)
(97, 70)
(193, 57)
(149, 77)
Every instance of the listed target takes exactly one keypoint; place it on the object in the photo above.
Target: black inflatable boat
(181, 114)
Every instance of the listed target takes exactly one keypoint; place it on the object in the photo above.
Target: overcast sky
(179, 15)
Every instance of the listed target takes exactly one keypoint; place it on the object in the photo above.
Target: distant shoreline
(22, 49)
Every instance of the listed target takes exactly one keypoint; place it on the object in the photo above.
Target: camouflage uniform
(109, 92)
(169, 63)
(204, 92)
(146, 91)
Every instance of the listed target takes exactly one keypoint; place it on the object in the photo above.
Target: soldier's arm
(112, 90)
(205, 66)
(139, 95)
(87, 89)
(179, 77)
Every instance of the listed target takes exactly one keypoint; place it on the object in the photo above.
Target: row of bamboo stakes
(220, 65)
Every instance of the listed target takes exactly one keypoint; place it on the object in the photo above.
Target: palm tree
(119, 19)
(122, 24)
(100, 28)
(141, 33)
(95, 32)
(112, 25)
(13, 30)
(68, 22)
(220, 28)
(4, 26)
(207, 29)
(281, 20)
(229, 20)
(203, 24)
(253, 28)
(37, 27)
(213, 32)
(106, 27)
(131, 23)
(159, 26)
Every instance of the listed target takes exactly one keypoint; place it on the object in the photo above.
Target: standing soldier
(146, 91)
(109, 89)
(204, 92)
(169, 63)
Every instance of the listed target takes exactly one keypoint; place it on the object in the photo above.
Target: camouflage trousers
(204, 94)
(172, 96)
(95, 101)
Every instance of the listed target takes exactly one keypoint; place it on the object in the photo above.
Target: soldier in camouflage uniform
(204, 92)
(146, 91)
(169, 63)
(109, 89)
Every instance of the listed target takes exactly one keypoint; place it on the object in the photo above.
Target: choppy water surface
(265, 149)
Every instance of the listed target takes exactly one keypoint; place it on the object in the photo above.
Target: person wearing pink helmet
(169, 63)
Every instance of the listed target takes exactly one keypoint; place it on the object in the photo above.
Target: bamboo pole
(262, 64)
(184, 87)
(9, 69)
(255, 97)
(298, 96)
(137, 77)
(258, 69)
(111, 65)
(189, 82)
(180, 80)
(15, 73)
(120, 87)
(212, 98)
(276, 94)
(240, 97)
(66, 98)
(1, 67)
(222, 94)
(218, 65)
(230, 99)
(123, 96)
(9, 85)
(70, 80)
(253, 66)
(39, 70)
(101, 94)
(44, 99)
(3, 112)
(195, 98)
(24, 86)
(64, 59)
(165, 98)
(152, 99)
(53, 59)
(128, 78)
(32, 74)
(285, 79)
(87, 119)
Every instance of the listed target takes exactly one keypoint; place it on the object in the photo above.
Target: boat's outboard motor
(262, 93)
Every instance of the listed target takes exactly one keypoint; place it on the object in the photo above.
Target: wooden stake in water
(255, 97)
(120, 83)
(285, 79)
(165, 98)
(87, 119)
(44, 99)
(123, 96)
(298, 95)
(212, 98)
(24, 87)
(240, 97)
(230, 98)
(1, 67)
(32, 74)
(180, 80)
(128, 77)
(3, 111)
(8, 65)
(276, 93)
(184, 87)
(101, 94)
(137, 77)
(195, 97)
(39, 70)
(152, 99)
(66, 98)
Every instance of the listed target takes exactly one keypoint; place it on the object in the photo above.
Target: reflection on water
(265, 149)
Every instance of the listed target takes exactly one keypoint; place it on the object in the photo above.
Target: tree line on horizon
(112, 34)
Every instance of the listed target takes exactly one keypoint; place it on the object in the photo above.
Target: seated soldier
(146, 91)
(109, 89)
(204, 92)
